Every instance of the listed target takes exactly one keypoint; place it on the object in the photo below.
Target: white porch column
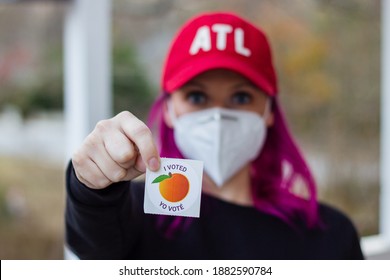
(87, 62)
(385, 125)
(379, 245)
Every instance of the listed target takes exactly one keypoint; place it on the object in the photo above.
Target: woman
(219, 105)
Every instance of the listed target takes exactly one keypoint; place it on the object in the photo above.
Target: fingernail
(153, 164)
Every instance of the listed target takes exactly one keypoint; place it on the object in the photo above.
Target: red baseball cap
(219, 40)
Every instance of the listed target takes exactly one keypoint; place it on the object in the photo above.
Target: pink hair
(271, 188)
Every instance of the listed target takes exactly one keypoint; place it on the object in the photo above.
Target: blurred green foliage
(131, 90)
(47, 96)
(44, 91)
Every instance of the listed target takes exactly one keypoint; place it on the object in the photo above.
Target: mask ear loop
(171, 112)
(267, 110)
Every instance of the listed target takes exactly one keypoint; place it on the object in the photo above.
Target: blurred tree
(132, 91)
(45, 92)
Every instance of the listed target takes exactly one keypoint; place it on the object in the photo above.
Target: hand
(118, 149)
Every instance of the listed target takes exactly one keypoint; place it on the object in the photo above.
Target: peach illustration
(173, 187)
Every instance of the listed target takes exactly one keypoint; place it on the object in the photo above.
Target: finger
(140, 165)
(113, 171)
(131, 174)
(141, 135)
(120, 149)
(138, 169)
(90, 175)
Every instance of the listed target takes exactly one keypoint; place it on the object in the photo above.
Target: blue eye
(196, 97)
(242, 98)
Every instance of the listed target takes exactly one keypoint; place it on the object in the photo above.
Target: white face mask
(225, 140)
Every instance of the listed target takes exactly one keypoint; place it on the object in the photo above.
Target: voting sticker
(175, 189)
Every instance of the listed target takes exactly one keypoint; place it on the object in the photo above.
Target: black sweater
(111, 224)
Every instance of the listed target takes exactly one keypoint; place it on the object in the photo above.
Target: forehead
(220, 75)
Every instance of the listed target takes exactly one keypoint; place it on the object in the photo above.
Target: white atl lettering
(239, 43)
(222, 30)
(202, 39)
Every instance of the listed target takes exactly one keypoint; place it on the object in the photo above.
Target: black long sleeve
(111, 224)
(99, 223)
